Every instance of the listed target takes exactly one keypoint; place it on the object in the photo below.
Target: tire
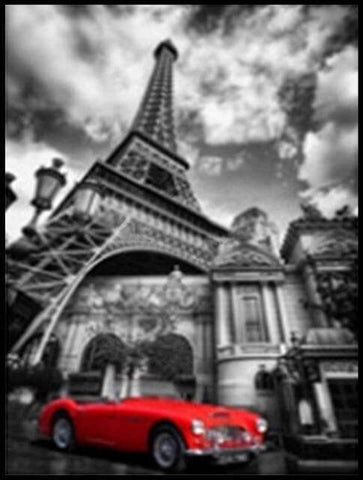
(63, 432)
(167, 449)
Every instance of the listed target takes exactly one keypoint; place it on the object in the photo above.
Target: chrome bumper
(220, 452)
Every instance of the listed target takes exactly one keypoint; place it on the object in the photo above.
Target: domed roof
(254, 227)
(253, 212)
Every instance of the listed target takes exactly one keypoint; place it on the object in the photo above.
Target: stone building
(130, 284)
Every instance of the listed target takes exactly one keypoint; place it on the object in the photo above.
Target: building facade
(130, 282)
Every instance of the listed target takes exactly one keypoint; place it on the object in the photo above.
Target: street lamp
(87, 198)
(49, 181)
(10, 195)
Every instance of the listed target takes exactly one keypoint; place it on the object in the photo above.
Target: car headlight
(198, 427)
(261, 425)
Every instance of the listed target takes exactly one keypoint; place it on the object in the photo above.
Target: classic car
(170, 430)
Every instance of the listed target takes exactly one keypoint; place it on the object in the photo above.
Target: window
(264, 381)
(253, 320)
(344, 397)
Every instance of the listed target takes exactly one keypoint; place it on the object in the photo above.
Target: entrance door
(344, 395)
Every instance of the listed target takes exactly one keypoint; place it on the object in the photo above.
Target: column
(222, 316)
(267, 306)
(325, 407)
(123, 386)
(319, 317)
(108, 386)
(74, 353)
(67, 344)
(282, 314)
(199, 389)
(237, 317)
(134, 387)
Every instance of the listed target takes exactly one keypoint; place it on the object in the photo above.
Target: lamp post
(87, 198)
(10, 195)
(49, 181)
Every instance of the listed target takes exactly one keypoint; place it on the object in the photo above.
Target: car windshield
(147, 387)
(122, 388)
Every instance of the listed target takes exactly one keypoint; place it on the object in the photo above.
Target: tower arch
(164, 260)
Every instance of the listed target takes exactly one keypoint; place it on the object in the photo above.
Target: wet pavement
(28, 453)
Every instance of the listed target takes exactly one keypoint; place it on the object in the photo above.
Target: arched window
(102, 350)
(264, 381)
(171, 357)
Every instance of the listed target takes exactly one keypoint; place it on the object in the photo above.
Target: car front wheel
(63, 433)
(167, 449)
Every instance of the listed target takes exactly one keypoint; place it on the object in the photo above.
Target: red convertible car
(170, 430)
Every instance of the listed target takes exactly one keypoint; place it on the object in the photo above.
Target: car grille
(227, 433)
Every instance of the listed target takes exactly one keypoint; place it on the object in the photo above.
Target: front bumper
(219, 452)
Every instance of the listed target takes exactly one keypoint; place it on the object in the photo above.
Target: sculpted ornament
(145, 309)
(340, 366)
(337, 243)
(236, 253)
(89, 297)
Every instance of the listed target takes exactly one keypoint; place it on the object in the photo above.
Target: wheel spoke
(62, 433)
(165, 449)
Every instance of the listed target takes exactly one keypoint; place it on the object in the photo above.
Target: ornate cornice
(235, 255)
(139, 235)
(304, 225)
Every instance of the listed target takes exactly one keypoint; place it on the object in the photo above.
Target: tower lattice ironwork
(147, 204)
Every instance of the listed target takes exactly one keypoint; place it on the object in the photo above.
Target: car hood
(210, 414)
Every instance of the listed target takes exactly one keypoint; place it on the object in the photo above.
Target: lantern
(87, 198)
(10, 196)
(49, 181)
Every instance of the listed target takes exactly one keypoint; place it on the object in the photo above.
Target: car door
(95, 424)
(130, 428)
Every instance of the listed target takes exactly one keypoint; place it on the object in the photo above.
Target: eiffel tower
(143, 202)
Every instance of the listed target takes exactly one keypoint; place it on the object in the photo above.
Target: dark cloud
(21, 111)
(79, 11)
(345, 33)
(189, 124)
(76, 11)
(121, 9)
(87, 48)
(296, 96)
(344, 115)
(206, 18)
(17, 122)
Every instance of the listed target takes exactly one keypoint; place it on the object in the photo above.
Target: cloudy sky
(265, 98)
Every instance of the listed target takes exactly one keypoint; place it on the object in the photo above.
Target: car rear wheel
(168, 449)
(63, 432)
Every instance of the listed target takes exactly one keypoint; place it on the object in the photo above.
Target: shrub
(42, 379)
